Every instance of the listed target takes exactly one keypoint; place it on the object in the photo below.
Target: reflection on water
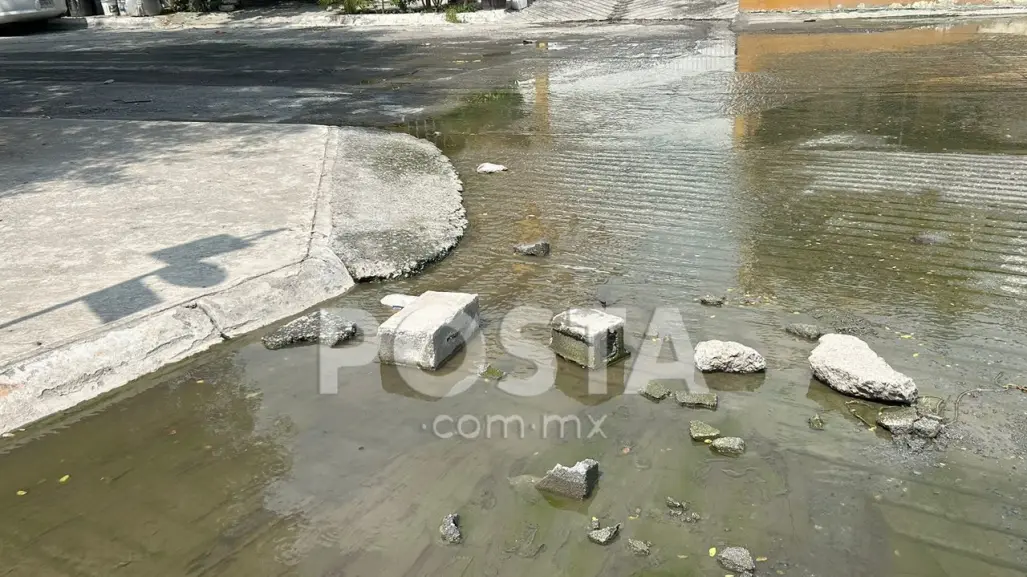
(790, 173)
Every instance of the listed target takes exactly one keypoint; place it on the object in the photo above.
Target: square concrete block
(588, 337)
(429, 330)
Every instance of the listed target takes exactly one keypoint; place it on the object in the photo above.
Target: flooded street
(868, 179)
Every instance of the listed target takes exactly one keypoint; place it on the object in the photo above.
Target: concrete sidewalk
(130, 245)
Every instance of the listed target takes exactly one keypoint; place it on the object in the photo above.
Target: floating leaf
(682, 556)
(21, 493)
(64, 479)
(708, 441)
(713, 551)
(761, 559)
(632, 517)
(915, 355)
(906, 336)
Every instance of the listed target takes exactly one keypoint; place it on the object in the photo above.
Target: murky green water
(789, 173)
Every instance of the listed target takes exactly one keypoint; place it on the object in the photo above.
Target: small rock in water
(604, 536)
(730, 446)
(927, 427)
(804, 331)
(318, 327)
(736, 559)
(640, 548)
(654, 391)
(492, 373)
(728, 357)
(574, 482)
(816, 423)
(450, 530)
(488, 168)
(700, 431)
(927, 406)
(673, 503)
(848, 365)
(697, 400)
(691, 517)
(712, 300)
(897, 420)
(397, 301)
(537, 248)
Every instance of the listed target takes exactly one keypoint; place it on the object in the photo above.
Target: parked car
(29, 10)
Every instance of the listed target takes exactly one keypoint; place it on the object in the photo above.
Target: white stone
(728, 357)
(428, 331)
(588, 337)
(398, 301)
(488, 167)
(848, 365)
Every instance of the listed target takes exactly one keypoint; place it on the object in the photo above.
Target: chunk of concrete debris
(728, 357)
(736, 559)
(605, 535)
(712, 300)
(537, 248)
(640, 548)
(697, 400)
(655, 391)
(730, 446)
(673, 503)
(320, 326)
(700, 431)
(898, 420)
(574, 482)
(927, 427)
(816, 422)
(397, 301)
(450, 530)
(488, 168)
(804, 331)
(588, 337)
(848, 365)
(428, 331)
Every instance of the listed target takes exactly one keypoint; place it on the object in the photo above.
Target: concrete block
(588, 337)
(428, 331)
(516, 4)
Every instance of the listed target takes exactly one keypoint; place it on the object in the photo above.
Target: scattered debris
(429, 331)
(712, 301)
(804, 331)
(320, 326)
(691, 517)
(398, 301)
(697, 400)
(450, 530)
(655, 391)
(730, 446)
(640, 548)
(673, 503)
(816, 423)
(728, 357)
(927, 427)
(574, 482)
(588, 337)
(537, 248)
(491, 373)
(604, 536)
(899, 420)
(736, 559)
(848, 365)
(488, 168)
(594, 524)
(701, 431)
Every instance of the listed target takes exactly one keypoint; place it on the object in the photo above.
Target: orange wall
(809, 5)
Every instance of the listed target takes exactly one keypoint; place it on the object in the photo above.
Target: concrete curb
(99, 361)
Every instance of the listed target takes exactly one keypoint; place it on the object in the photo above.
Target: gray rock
(321, 327)
(428, 331)
(712, 300)
(697, 400)
(537, 248)
(897, 420)
(605, 535)
(588, 337)
(736, 559)
(730, 446)
(927, 427)
(691, 517)
(654, 391)
(673, 503)
(700, 431)
(450, 530)
(640, 548)
(728, 357)
(574, 482)
(816, 423)
(804, 331)
(928, 406)
(848, 365)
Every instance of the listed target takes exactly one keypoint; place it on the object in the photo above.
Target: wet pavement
(797, 174)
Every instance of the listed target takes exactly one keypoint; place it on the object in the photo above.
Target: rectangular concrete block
(428, 331)
(588, 337)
